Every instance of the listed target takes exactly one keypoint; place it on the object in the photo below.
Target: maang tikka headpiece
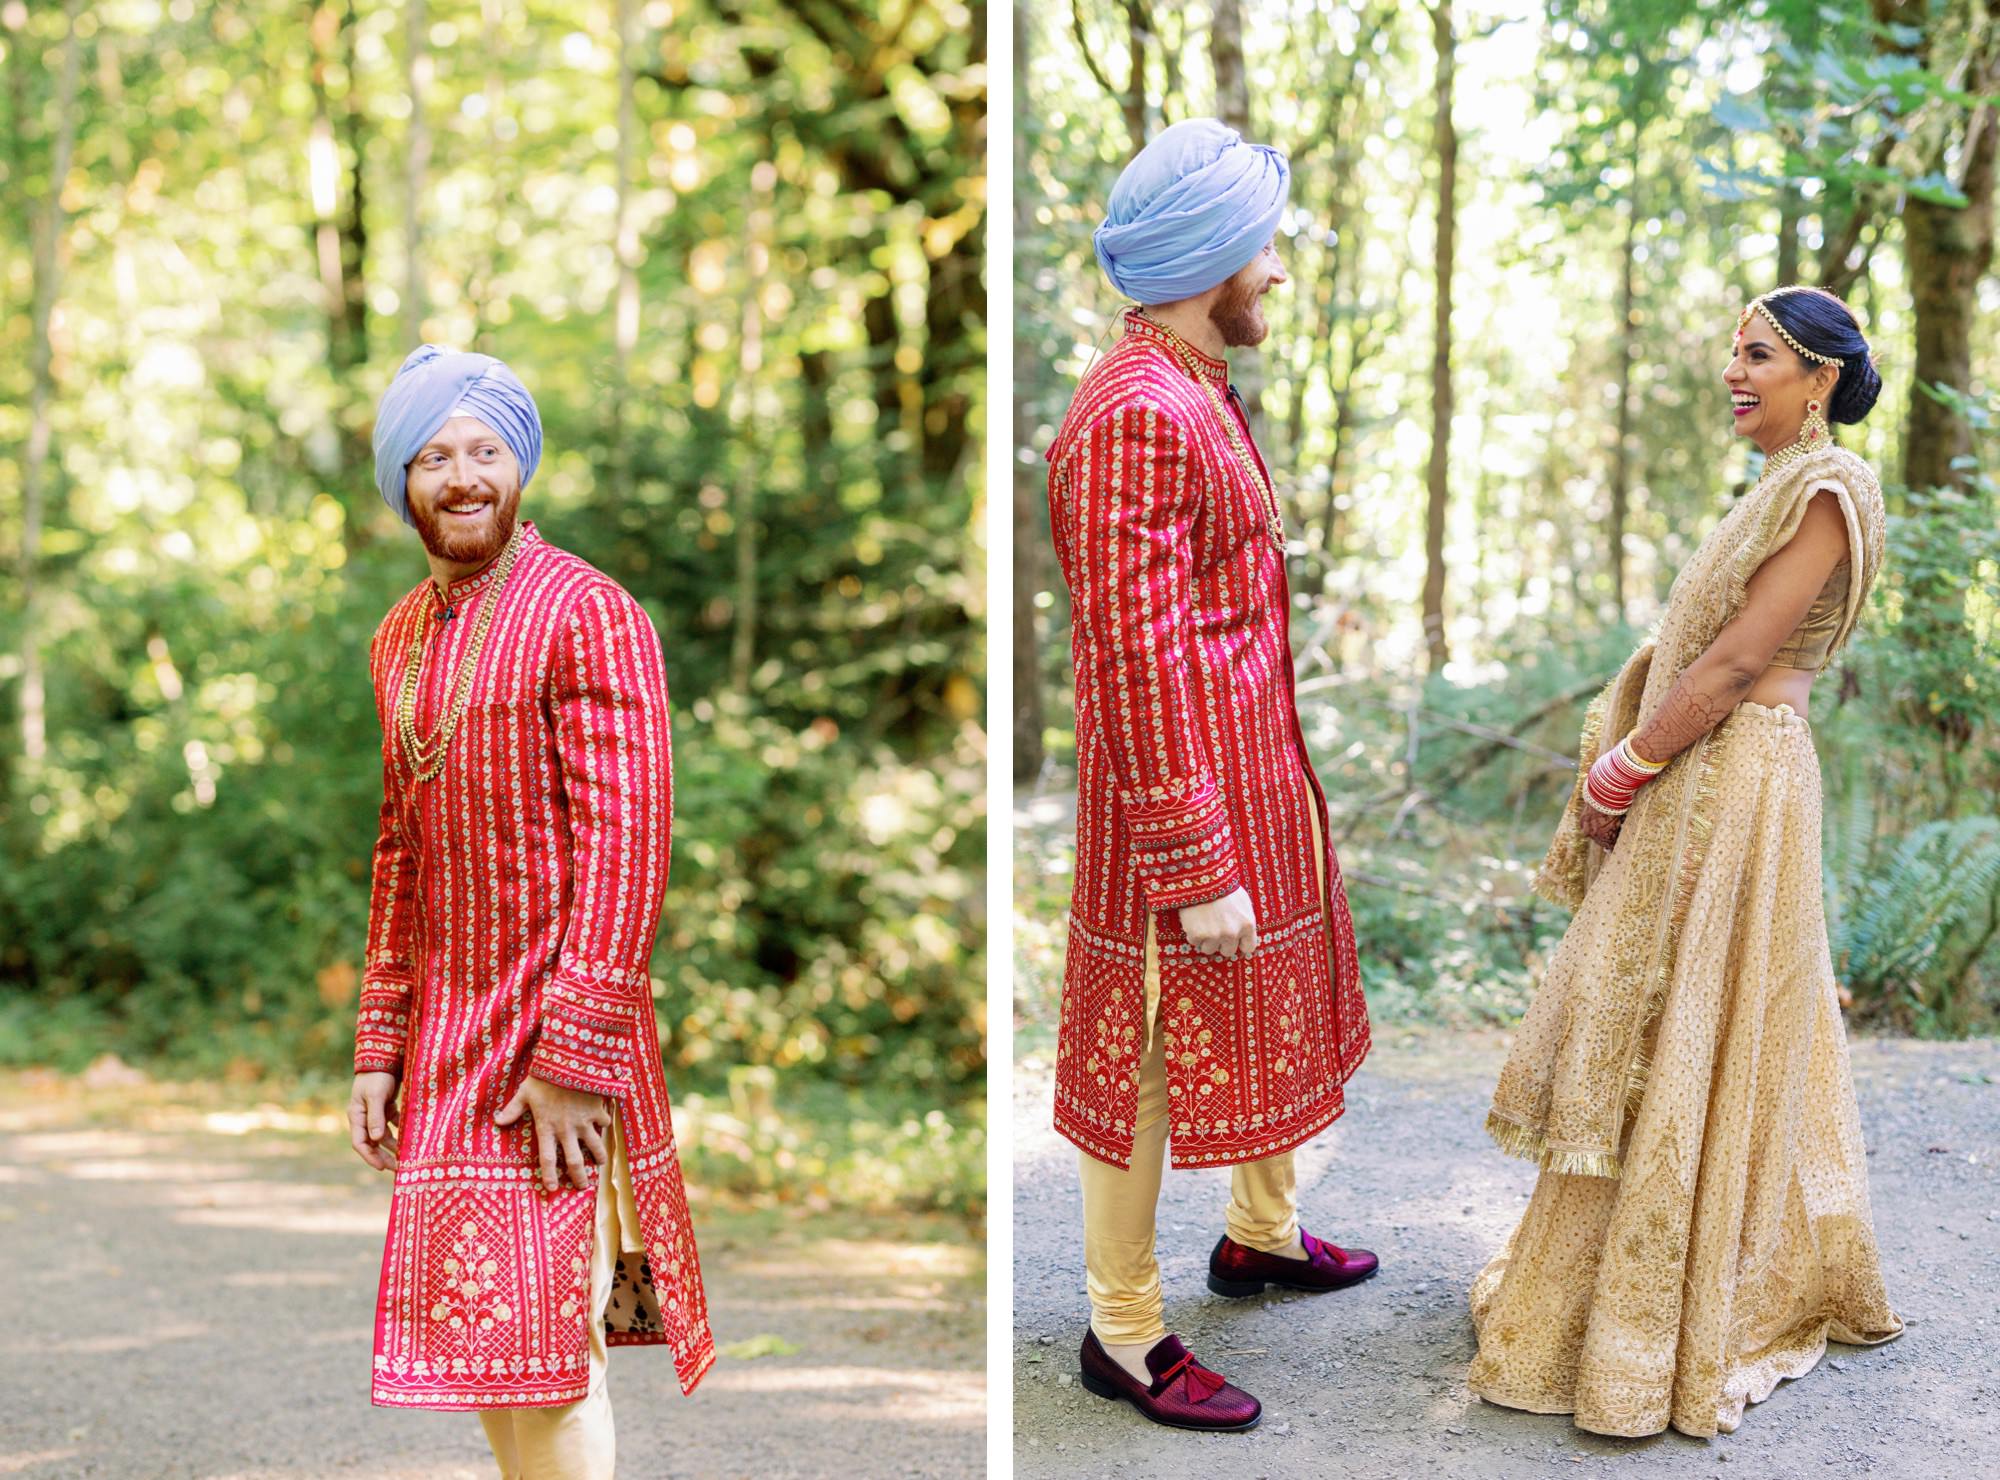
(1760, 305)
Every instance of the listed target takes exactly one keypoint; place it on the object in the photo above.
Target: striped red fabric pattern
(1192, 780)
(515, 900)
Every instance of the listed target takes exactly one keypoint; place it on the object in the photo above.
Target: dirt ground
(190, 1293)
(1369, 1383)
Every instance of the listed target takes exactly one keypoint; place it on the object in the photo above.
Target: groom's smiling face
(464, 490)
(1238, 309)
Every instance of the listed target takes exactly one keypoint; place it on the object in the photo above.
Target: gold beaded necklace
(426, 756)
(1274, 522)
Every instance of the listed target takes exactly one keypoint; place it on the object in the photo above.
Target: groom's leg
(1264, 1195)
(1119, 1211)
(1264, 1206)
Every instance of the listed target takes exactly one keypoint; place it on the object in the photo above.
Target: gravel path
(191, 1294)
(1370, 1382)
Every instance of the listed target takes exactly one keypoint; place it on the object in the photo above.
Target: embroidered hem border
(449, 1400)
(1311, 1116)
(1526, 1142)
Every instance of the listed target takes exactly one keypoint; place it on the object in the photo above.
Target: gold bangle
(1632, 754)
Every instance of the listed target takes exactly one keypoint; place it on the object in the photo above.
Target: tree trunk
(481, 290)
(1440, 463)
(1225, 51)
(340, 241)
(417, 75)
(1137, 27)
(353, 224)
(822, 469)
(1363, 339)
(46, 269)
(750, 374)
(878, 321)
(1232, 105)
(1131, 98)
(344, 341)
(1028, 485)
(951, 300)
(1948, 249)
(1628, 332)
(625, 328)
(1790, 210)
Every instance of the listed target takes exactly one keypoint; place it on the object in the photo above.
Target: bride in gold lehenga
(1701, 1225)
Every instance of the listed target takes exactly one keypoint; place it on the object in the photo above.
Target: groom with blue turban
(1211, 995)
(507, 1061)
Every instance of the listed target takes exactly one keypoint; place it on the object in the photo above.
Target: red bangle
(1615, 779)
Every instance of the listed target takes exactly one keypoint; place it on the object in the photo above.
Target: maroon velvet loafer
(1183, 1394)
(1235, 1270)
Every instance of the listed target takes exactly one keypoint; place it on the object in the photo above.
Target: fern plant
(1906, 935)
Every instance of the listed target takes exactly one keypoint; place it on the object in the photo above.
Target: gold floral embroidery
(579, 1287)
(466, 1302)
(1289, 1027)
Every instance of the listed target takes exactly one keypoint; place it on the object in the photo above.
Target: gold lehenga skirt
(1738, 1239)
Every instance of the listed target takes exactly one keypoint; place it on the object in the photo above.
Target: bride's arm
(1775, 602)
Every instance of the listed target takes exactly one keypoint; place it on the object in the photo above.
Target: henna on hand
(1600, 827)
(1700, 699)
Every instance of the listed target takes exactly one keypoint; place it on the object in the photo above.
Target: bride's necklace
(426, 755)
(1274, 522)
(1814, 436)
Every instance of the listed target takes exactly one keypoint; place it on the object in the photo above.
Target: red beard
(1238, 318)
(447, 540)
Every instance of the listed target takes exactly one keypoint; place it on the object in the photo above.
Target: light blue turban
(1193, 209)
(434, 384)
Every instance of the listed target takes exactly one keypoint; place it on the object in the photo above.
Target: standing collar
(480, 579)
(1138, 325)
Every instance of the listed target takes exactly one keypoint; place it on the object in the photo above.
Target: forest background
(1519, 238)
(734, 249)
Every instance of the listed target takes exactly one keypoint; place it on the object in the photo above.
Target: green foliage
(779, 455)
(1900, 932)
(816, 1146)
(1695, 152)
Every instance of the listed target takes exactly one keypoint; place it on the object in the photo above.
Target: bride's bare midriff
(1777, 686)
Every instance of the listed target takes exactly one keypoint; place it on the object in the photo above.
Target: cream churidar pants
(1120, 1203)
(576, 1441)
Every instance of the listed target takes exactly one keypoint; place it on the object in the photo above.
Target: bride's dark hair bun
(1826, 326)
(1855, 392)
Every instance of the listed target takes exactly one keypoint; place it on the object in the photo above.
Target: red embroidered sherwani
(1192, 779)
(510, 928)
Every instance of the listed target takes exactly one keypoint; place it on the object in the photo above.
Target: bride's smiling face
(1769, 385)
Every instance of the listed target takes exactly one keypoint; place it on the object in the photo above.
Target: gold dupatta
(1579, 1061)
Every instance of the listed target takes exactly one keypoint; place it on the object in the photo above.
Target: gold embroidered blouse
(1811, 642)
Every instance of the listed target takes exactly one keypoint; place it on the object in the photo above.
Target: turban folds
(434, 385)
(1191, 210)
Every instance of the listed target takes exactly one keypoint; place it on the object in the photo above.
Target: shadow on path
(1369, 1383)
(190, 1292)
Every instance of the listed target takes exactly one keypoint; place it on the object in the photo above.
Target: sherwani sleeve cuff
(584, 1041)
(382, 1024)
(1185, 852)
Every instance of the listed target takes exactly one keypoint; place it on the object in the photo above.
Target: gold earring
(1815, 432)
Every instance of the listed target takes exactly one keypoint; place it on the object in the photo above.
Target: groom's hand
(1225, 927)
(570, 1126)
(371, 1119)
